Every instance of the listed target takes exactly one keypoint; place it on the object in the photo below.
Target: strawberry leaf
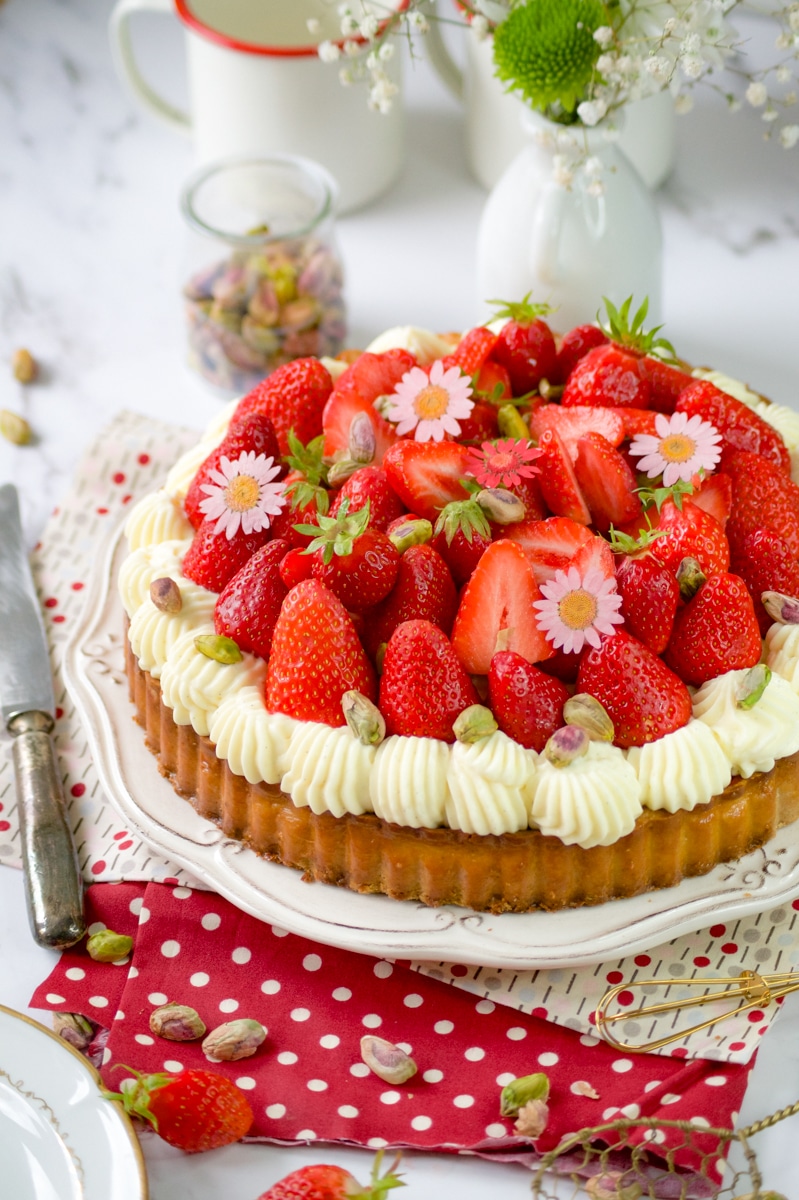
(630, 332)
(522, 311)
(462, 516)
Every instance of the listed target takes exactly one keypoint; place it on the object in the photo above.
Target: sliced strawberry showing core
(595, 555)
(557, 480)
(473, 349)
(427, 475)
(573, 423)
(495, 611)
(370, 376)
(637, 420)
(607, 482)
(714, 495)
(550, 545)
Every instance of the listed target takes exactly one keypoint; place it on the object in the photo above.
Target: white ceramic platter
(59, 1138)
(94, 673)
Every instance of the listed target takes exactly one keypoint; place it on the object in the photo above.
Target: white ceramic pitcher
(257, 86)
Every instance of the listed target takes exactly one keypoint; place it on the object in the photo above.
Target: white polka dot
(702, 1122)
(241, 955)
(390, 1097)
(516, 1033)
(158, 998)
(377, 1143)
(653, 1083)
(443, 1027)
(199, 979)
(144, 915)
(505, 1078)
(98, 1001)
(96, 927)
(548, 1060)
(586, 1039)
(342, 994)
(135, 906)
(300, 1014)
(144, 1039)
(433, 1075)
(372, 1021)
(654, 1135)
(312, 962)
(496, 1130)
(474, 1053)
(211, 921)
(182, 893)
(421, 1123)
(287, 1058)
(275, 1111)
(329, 1041)
(631, 1110)
(121, 962)
(281, 933)
(54, 998)
(383, 969)
(170, 948)
(359, 1070)
(721, 1165)
(119, 1015)
(246, 1083)
(305, 1135)
(670, 1098)
(414, 1000)
(716, 1080)
(172, 1064)
(485, 1006)
(610, 1113)
(406, 1046)
(75, 973)
(347, 1111)
(228, 1006)
(133, 973)
(106, 1056)
(463, 1101)
(270, 987)
(621, 1066)
(316, 1085)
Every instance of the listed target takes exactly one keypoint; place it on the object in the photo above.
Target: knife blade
(53, 884)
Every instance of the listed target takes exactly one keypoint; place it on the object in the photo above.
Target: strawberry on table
(293, 397)
(525, 345)
(358, 562)
(249, 604)
(193, 1110)
(370, 485)
(527, 703)
(323, 1181)
(423, 591)
(739, 426)
(717, 631)
(644, 699)
(765, 563)
(424, 687)
(316, 657)
(253, 433)
(427, 475)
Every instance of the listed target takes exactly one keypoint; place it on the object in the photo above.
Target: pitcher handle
(444, 64)
(125, 61)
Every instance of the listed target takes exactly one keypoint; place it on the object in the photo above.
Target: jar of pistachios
(263, 278)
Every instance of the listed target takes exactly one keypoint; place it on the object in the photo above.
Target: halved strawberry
(609, 377)
(637, 420)
(765, 563)
(249, 605)
(714, 495)
(739, 426)
(557, 480)
(427, 475)
(717, 631)
(606, 481)
(472, 350)
(423, 687)
(573, 423)
(370, 376)
(595, 555)
(550, 545)
(495, 610)
(527, 703)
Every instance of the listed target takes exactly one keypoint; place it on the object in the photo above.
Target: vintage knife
(53, 885)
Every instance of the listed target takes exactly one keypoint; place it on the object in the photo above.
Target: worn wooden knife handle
(53, 884)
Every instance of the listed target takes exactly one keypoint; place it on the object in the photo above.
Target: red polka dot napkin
(307, 1082)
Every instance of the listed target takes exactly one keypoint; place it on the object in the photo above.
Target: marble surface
(91, 260)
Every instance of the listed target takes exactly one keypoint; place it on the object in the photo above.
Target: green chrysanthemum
(545, 50)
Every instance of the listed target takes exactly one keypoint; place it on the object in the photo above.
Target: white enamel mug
(257, 86)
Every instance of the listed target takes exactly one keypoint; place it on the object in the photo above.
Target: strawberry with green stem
(192, 1110)
(358, 562)
(370, 484)
(525, 345)
(650, 594)
(659, 362)
(462, 534)
(306, 489)
(324, 1181)
(716, 631)
(689, 531)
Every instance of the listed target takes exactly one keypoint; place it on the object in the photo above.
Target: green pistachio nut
(474, 723)
(566, 745)
(107, 946)
(411, 533)
(233, 1040)
(362, 443)
(521, 1091)
(781, 608)
(585, 712)
(74, 1029)
(387, 1061)
(14, 428)
(177, 1023)
(221, 649)
(690, 577)
(753, 685)
(511, 423)
(364, 718)
(500, 505)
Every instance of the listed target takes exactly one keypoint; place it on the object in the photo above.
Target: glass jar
(264, 282)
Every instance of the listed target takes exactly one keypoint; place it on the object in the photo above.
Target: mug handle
(444, 64)
(125, 62)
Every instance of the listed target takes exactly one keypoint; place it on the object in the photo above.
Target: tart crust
(511, 872)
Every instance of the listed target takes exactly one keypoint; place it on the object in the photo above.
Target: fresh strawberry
(316, 657)
(424, 591)
(666, 382)
(295, 565)
(716, 631)
(529, 492)
(765, 563)
(714, 495)
(558, 482)
(643, 698)
(427, 475)
(562, 665)
(495, 610)
(249, 604)
(213, 559)
(284, 525)
(609, 377)
(492, 383)
(762, 497)
(739, 426)
(293, 397)
(525, 346)
(462, 536)
(322, 1181)
(574, 345)
(252, 434)
(370, 484)
(472, 351)
(423, 687)
(594, 555)
(606, 481)
(193, 1110)
(550, 545)
(527, 703)
(690, 532)
(649, 598)
(573, 423)
(356, 561)
(481, 425)
(368, 378)
(636, 420)
(660, 382)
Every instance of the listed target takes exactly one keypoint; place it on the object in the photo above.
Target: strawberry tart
(504, 620)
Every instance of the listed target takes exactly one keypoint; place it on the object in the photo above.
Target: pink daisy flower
(578, 608)
(681, 446)
(431, 404)
(503, 463)
(242, 494)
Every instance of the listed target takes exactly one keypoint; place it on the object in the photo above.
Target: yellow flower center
(578, 609)
(242, 493)
(677, 448)
(431, 402)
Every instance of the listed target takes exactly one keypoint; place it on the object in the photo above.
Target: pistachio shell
(215, 646)
(165, 595)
